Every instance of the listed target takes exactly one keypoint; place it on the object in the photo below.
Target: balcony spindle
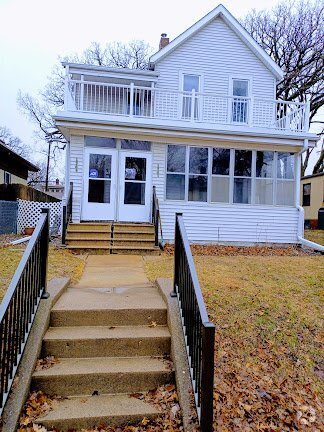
(131, 101)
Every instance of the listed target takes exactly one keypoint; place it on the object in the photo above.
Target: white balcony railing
(155, 103)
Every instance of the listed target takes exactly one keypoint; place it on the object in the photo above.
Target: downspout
(300, 230)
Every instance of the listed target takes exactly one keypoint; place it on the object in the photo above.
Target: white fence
(29, 212)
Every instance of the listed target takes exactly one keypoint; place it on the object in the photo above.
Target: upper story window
(306, 194)
(240, 93)
(7, 178)
(189, 83)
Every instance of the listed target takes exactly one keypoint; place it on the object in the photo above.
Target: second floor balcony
(137, 103)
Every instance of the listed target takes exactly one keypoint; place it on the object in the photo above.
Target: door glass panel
(134, 193)
(135, 168)
(99, 191)
(100, 166)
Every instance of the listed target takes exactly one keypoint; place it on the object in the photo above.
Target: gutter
(300, 232)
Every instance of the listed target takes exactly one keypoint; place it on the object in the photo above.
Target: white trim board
(232, 22)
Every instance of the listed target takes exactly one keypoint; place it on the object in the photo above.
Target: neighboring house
(54, 188)
(312, 198)
(13, 167)
(202, 126)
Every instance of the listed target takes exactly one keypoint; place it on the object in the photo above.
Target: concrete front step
(124, 228)
(131, 243)
(89, 227)
(85, 235)
(95, 341)
(129, 304)
(134, 235)
(72, 377)
(86, 412)
(89, 244)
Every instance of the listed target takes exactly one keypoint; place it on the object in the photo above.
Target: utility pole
(47, 166)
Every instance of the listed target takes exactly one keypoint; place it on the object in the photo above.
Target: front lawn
(61, 262)
(268, 312)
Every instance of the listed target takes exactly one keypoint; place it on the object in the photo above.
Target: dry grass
(60, 263)
(316, 236)
(269, 317)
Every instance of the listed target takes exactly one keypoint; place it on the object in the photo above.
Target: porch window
(242, 177)
(95, 141)
(264, 177)
(240, 94)
(135, 145)
(7, 178)
(285, 179)
(198, 174)
(306, 194)
(176, 172)
(190, 82)
(220, 175)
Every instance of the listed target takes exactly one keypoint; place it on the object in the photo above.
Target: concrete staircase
(110, 336)
(114, 237)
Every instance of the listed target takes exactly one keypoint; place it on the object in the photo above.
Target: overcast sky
(34, 33)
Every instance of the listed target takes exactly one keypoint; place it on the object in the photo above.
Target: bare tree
(292, 34)
(14, 142)
(40, 111)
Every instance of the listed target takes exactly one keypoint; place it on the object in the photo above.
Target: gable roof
(221, 11)
(11, 158)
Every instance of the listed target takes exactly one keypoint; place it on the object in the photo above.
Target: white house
(202, 125)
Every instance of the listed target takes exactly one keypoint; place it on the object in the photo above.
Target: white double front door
(117, 185)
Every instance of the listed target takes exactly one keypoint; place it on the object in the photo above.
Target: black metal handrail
(199, 332)
(20, 303)
(156, 220)
(67, 212)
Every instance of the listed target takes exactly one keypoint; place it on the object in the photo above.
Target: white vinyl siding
(76, 174)
(217, 53)
(217, 222)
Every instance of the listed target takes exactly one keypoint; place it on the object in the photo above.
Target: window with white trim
(198, 174)
(189, 83)
(220, 183)
(240, 93)
(232, 176)
(242, 177)
(7, 178)
(285, 179)
(176, 172)
(264, 177)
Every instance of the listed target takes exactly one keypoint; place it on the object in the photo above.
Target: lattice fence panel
(30, 211)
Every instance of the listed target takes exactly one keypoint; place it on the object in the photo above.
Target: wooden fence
(12, 192)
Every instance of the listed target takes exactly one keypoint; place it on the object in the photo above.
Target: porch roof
(145, 75)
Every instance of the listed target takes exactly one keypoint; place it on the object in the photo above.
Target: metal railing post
(207, 377)
(64, 224)
(44, 253)
(176, 256)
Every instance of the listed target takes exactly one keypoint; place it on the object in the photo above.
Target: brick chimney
(164, 41)
(57, 181)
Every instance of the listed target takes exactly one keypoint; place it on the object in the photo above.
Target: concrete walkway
(110, 335)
